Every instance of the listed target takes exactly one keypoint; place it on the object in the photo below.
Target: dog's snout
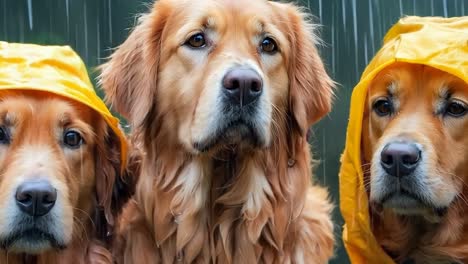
(242, 86)
(400, 159)
(36, 198)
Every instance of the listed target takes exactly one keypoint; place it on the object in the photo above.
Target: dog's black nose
(36, 198)
(400, 159)
(242, 86)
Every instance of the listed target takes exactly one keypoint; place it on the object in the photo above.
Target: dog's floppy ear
(114, 186)
(311, 89)
(129, 78)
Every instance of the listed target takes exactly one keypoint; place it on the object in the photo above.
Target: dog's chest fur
(415, 240)
(233, 209)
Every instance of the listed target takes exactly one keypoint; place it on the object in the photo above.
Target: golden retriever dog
(415, 141)
(221, 95)
(60, 180)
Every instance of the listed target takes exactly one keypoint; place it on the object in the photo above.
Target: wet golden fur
(86, 177)
(231, 204)
(426, 237)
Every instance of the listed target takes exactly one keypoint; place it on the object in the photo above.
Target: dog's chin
(31, 241)
(406, 203)
(403, 203)
(235, 135)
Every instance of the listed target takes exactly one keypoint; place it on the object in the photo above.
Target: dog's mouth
(30, 240)
(233, 133)
(402, 198)
(406, 202)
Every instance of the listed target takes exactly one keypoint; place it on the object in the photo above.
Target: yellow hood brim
(441, 43)
(57, 70)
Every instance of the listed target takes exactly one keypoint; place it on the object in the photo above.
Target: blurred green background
(352, 32)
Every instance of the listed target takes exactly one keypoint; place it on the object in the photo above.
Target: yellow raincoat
(441, 43)
(54, 69)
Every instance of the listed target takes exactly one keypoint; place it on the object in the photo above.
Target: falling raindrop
(5, 32)
(110, 20)
(324, 161)
(67, 8)
(366, 56)
(355, 34)
(379, 22)
(401, 7)
(343, 12)
(85, 18)
(445, 8)
(98, 42)
(462, 7)
(320, 10)
(333, 31)
(432, 7)
(371, 26)
(30, 16)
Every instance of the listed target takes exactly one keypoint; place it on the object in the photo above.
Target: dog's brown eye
(196, 41)
(268, 45)
(4, 139)
(383, 107)
(72, 139)
(456, 109)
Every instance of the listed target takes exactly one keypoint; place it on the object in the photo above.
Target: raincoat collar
(441, 43)
(57, 70)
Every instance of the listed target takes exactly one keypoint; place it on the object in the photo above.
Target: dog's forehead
(225, 13)
(52, 110)
(245, 6)
(444, 84)
(237, 6)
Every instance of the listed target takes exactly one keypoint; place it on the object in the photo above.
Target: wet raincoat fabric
(53, 69)
(441, 43)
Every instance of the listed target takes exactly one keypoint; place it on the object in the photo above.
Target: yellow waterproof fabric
(438, 42)
(54, 69)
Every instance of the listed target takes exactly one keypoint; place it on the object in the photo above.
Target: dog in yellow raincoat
(404, 172)
(62, 159)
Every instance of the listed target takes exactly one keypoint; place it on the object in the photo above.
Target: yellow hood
(441, 43)
(54, 69)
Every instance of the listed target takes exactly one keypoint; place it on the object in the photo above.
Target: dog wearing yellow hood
(405, 163)
(62, 160)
